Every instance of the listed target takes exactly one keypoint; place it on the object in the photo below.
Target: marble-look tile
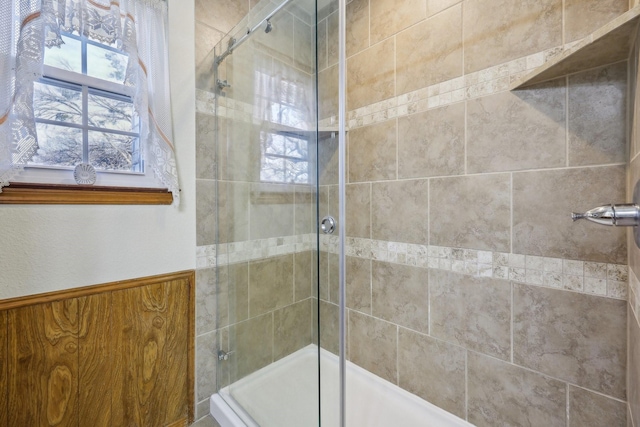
(205, 212)
(591, 409)
(575, 337)
(206, 300)
(471, 212)
(430, 52)
(330, 330)
(597, 116)
(582, 17)
(332, 38)
(357, 26)
(371, 75)
(206, 38)
(328, 159)
(226, 372)
(518, 130)
(388, 17)
(474, 312)
(203, 417)
(279, 42)
(334, 277)
(323, 276)
(270, 284)
(253, 343)
(558, 193)
(500, 31)
(208, 420)
(372, 152)
(206, 363)
(357, 30)
(303, 46)
(232, 294)
(433, 370)
(271, 210)
(633, 363)
(358, 207)
(305, 199)
(502, 394)
(437, 6)
(221, 14)
(633, 171)
(400, 295)
(240, 154)
(291, 328)
(373, 345)
(328, 92)
(205, 146)
(399, 211)
(432, 143)
(358, 284)
(233, 212)
(305, 265)
(321, 44)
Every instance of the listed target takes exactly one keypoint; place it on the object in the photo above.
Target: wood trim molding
(17, 302)
(53, 194)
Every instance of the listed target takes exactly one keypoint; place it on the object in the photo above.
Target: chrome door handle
(328, 225)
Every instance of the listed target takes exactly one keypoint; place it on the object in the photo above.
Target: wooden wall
(120, 354)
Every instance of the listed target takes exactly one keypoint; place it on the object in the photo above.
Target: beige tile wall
(436, 141)
(500, 308)
(633, 308)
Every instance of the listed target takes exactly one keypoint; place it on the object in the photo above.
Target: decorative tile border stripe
(485, 82)
(251, 250)
(469, 86)
(607, 280)
(580, 276)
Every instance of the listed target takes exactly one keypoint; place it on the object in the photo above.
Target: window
(82, 109)
(102, 96)
(282, 102)
(285, 158)
(85, 114)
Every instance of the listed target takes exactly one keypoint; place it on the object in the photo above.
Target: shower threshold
(285, 394)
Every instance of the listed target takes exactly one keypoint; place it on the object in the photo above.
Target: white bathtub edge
(222, 412)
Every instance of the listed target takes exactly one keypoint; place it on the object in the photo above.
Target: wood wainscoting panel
(95, 382)
(120, 356)
(176, 388)
(4, 343)
(141, 315)
(43, 364)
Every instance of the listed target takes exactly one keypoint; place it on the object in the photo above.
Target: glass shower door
(267, 205)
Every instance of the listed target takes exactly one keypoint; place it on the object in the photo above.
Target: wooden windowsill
(52, 194)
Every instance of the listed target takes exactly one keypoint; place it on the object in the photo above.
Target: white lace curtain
(137, 27)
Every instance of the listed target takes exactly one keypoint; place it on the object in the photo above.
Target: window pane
(272, 170)
(112, 114)
(297, 172)
(106, 64)
(273, 143)
(108, 151)
(68, 56)
(296, 147)
(55, 103)
(58, 146)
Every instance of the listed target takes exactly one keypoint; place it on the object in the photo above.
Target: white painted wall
(48, 248)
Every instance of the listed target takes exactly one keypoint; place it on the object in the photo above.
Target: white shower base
(285, 394)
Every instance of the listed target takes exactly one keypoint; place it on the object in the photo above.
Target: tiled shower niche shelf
(607, 45)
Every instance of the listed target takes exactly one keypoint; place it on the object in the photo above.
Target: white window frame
(63, 175)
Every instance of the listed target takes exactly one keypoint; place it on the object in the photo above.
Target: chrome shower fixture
(269, 27)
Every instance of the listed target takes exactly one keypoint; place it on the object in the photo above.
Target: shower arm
(233, 43)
